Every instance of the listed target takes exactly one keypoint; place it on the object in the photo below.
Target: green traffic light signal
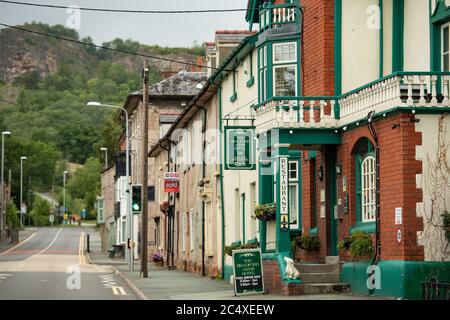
(136, 198)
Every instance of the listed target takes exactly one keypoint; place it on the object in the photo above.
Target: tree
(39, 213)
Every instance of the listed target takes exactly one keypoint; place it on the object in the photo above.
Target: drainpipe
(221, 181)
(374, 135)
(204, 113)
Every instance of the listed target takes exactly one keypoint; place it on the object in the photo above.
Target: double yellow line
(81, 256)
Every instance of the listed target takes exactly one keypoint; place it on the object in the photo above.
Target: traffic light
(136, 198)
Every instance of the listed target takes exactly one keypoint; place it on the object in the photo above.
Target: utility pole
(144, 206)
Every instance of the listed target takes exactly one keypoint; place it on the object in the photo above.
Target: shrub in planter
(359, 245)
(266, 212)
(308, 243)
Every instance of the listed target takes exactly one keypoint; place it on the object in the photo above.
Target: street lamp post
(64, 192)
(21, 189)
(2, 197)
(106, 156)
(127, 173)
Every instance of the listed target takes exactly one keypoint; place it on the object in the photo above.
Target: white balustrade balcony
(420, 90)
(272, 16)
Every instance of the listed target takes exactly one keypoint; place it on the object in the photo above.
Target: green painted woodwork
(398, 27)
(367, 227)
(227, 272)
(313, 231)
(237, 243)
(399, 278)
(251, 82)
(307, 136)
(331, 168)
(282, 238)
(232, 133)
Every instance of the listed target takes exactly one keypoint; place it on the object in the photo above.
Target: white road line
(119, 291)
(46, 248)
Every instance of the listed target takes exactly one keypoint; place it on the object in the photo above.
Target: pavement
(23, 234)
(51, 265)
(164, 284)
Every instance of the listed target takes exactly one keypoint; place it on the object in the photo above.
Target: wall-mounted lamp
(338, 169)
(320, 173)
(396, 125)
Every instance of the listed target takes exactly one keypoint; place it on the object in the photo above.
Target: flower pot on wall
(266, 212)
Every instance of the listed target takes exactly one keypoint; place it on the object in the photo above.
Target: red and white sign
(171, 182)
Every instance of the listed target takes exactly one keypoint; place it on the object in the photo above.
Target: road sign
(84, 213)
(51, 218)
(248, 272)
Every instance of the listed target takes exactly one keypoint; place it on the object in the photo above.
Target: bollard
(87, 243)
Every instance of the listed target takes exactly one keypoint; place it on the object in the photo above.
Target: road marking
(119, 291)
(4, 276)
(108, 280)
(18, 245)
(46, 248)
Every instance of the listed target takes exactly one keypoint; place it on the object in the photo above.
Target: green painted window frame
(266, 83)
(368, 227)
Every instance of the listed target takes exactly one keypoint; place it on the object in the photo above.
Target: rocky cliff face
(22, 52)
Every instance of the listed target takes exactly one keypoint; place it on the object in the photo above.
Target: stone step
(317, 268)
(325, 288)
(319, 278)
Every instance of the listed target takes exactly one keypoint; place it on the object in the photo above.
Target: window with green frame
(365, 189)
(284, 69)
(278, 74)
(262, 73)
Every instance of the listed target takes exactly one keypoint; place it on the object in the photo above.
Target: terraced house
(352, 125)
(334, 115)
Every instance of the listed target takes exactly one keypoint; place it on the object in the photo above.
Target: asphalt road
(51, 265)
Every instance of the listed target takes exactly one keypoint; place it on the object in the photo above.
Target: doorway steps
(322, 278)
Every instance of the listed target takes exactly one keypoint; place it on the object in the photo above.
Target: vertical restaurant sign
(284, 186)
(171, 182)
(284, 196)
(239, 148)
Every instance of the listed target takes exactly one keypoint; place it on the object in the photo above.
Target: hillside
(45, 84)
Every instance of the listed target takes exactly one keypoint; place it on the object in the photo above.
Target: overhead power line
(125, 10)
(107, 48)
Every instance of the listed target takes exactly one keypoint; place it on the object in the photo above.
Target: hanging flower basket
(266, 212)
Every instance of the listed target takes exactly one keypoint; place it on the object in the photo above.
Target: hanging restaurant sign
(240, 148)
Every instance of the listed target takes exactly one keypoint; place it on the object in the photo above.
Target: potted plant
(308, 243)
(359, 246)
(229, 249)
(158, 259)
(266, 212)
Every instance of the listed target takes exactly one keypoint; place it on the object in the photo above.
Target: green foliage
(39, 213)
(12, 219)
(85, 185)
(446, 224)
(359, 245)
(29, 80)
(40, 163)
(308, 243)
(229, 249)
(266, 212)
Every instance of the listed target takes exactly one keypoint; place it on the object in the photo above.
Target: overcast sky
(161, 29)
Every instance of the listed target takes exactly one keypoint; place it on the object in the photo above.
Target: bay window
(285, 69)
